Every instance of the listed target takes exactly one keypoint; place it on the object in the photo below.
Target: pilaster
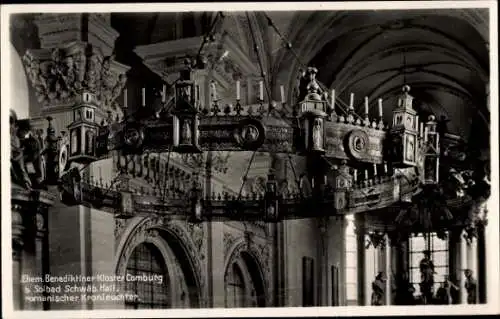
(388, 271)
(17, 249)
(29, 214)
(457, 262)
(360, 238)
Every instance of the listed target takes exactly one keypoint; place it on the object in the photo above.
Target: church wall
(336, 257)
(102, 248)
(66, 244)
(301, 240)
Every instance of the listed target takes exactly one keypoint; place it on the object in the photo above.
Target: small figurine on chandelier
(318, 134)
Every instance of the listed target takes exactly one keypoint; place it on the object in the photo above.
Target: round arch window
(147, 261)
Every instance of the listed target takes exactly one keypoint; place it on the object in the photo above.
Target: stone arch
(253, 259)
(175, 245)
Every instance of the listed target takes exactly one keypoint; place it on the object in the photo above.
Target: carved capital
(61, 75)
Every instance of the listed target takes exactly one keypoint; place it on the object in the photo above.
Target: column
(388, 271)
(457, 262)
(360, 238)
(462, 266)
(481, 275)
(472, 260)
(373, 264)
(17, 250)
(279, 166)
(40, 254)
(399, 266)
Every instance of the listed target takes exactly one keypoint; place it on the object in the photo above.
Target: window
(439, 255)
(235, 288)
(351, 262)
(307, 282)
(335, 286)
(147, 260)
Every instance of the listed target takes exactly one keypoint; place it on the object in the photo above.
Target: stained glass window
(439, 255)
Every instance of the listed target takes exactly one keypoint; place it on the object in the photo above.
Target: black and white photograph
(336, 158)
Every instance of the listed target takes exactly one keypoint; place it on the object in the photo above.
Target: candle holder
(272, 107)
(381, 123)
(238, 107)
(215, 108)
(350, 116)
(366, 121)
(262, 109)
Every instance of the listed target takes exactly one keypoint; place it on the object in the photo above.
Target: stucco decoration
(260, 252)
(145, 229)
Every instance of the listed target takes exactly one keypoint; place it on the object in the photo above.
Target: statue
(378, 290)
(186, 132)
(80, 60)
(470, 287)
(32, 153)
(427, 274)
(93, 75)
(317, 134)
(446, 294)
(18, 172)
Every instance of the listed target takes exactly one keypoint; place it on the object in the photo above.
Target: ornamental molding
(145, 229)
(259, 251)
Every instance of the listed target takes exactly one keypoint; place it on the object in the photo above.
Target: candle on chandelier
(421, 129)
(326, 180)
(351, 102)
(261, 90)
(416, 122)
(164, 94)
(426, 132)
(374, 169)
(282, 91)
(366, 174)
(125, 97)
(385, 168)
(380, 111)
(355, 175)
(333, 99)
(143, 96)
(366, 106)
(238, 97)
(312, 182)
